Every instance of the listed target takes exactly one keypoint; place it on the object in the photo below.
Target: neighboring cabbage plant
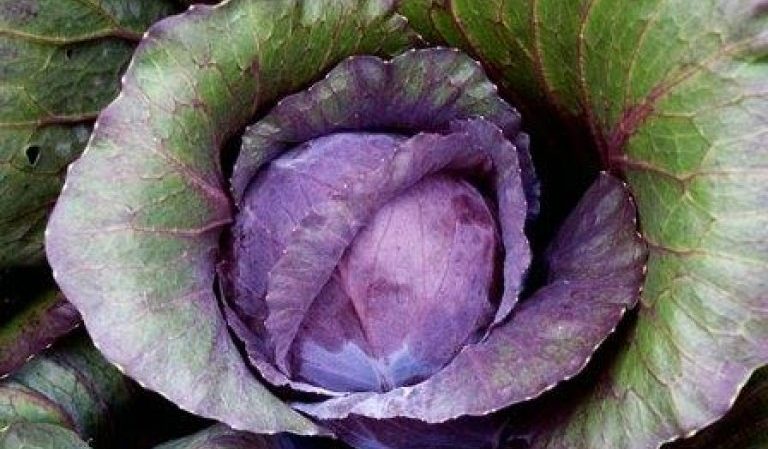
(69, 397)
(371, 265)
(65, 396)
(60, 65)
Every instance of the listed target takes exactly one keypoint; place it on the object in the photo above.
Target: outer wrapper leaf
(60, 62)
(133, 238)
(675, 97)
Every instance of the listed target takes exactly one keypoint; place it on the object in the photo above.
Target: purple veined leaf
(134, 247)
(417, 91)
(410, 292)
(60, 64)
(675, 98)
(597, 265)
(410, 93)
(314, 249)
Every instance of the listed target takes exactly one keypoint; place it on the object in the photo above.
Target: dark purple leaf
(412, 289)
(306, 262)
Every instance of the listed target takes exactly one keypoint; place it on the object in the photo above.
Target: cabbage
(373, 252)
(324, 218)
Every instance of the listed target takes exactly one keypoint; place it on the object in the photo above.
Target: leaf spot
(32, 153)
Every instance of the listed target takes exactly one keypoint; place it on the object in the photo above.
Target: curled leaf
(596, 267)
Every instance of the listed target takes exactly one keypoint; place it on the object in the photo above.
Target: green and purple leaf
(744, 427)
(675, 98)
